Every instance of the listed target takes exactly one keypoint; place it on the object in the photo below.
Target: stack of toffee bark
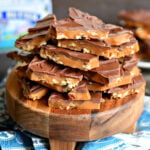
(79, 64)
(139, 22)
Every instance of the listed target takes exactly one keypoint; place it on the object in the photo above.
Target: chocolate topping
(43, 66)
(129, 62)
(108, 68)
(113, 28)
(80, 92)
(85, 19)
(81, 87)
(137, 82)
(20, 56)
(31, 86)
(21, 71)
(107, 71)
(100, 48)
(32, 35)
(43, 23)
(50, 49)
(72, 29)
(37, 35)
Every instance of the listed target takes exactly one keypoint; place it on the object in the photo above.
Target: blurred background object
(107, 10)
(16, 16)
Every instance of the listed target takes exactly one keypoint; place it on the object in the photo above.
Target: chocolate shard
(117, 35)
(80, 92)
(129, 62)
(137, 83)
(21, 71)
(33, 90)
(80, 25)
(43, 23)
(36, 36)
(20, 56)
(51, 75)
(100, 48)
(119, 38)
(61, 101)
(84, 18)
(69, 58)
(125, 78)
(108, 71)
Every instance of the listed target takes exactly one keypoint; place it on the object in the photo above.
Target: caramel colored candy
(53, 76)
(20, 56)
(119, 38)
(61, 101)
(80, 92)
(21, 71)
(100, 48)
(80, 25)
(37, 36)
(69, 58)
(108, 71)
(32, 90)
(135, 86)
(126, 78)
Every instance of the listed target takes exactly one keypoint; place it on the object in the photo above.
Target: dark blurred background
(107, 10)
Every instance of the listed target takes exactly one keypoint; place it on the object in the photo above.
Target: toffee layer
(36, 36)
(100, 48)
(69, 58)
(61, 101)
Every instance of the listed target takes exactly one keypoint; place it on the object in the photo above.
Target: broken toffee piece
(20, 56)
(36, 36)
(80, 25)
(128, 62)
(33, 90)
(21, 71)
(100, 48)
(125, 78)
(137, 83)
(106, 72)
(80, 92)
(69, 29)
(43, 23)
(52, 75)
(79, 17)
(69, 58)
(119, 38)
(61, 101)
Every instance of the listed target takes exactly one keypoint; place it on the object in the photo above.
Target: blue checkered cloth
(12, 137)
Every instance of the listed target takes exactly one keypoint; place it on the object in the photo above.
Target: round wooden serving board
(64, 129)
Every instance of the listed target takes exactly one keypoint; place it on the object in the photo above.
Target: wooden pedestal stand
(64, 130)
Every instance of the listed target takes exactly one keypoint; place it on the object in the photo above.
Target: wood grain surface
(35, 116)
